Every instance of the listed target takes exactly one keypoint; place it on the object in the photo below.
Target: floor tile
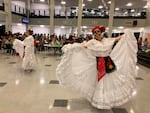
(12, 62)
(60, 103)
(119, 110)
(2, 84)
(139, 78)
(54, 82)
(48, 65)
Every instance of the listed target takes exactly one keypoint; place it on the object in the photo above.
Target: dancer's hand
(117, 38)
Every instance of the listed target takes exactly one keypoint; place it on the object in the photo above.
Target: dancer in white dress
(25, 49)
(78, 69)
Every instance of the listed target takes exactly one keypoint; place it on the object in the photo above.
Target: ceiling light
(19, 24)
(90, 0)
(145, 6)
(138, 14)
(121, 27)
(117, 9)
(109, 2)
(42, 0)
(42, 26)
(62, 27)
(100, 6)
(83, 5)
(84, 27)
(126, 12)
(132, 10)
(129, 4)
(63, 2)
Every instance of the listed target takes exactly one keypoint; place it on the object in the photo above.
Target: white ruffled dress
(78, 70)
(29, 57)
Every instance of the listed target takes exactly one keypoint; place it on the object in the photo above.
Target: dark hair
(30, 32)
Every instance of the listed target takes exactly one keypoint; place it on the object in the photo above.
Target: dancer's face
(27, 33)
(97, 34)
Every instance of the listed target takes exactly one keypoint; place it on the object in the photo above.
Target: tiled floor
(40, 92)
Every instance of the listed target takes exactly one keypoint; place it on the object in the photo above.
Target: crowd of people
(143, 43)
(6, 40)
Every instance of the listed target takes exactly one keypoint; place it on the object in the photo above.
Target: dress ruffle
(19, 47)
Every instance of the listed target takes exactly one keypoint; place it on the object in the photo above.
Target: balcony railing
(18, 9)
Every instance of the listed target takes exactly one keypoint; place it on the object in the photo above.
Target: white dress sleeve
(18, 45)
(77, 69)
(124, 53)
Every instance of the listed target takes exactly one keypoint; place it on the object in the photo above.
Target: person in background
(25, 49)
(140, 43)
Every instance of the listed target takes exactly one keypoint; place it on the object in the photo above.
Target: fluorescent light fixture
(63, 2)
(126, 12)
(19, 24)
(100, 6)
(116, 9)
(62, 27)
(145, 6)
(83, 5)
(129, 4)
(90, 0)
(42, 0)
(84, 27)
(121, 27)
(138, 14)
(42, 26)
(132, 10)
(109, 2)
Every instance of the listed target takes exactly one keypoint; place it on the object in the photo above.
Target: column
(148, 14)
(52, 4)
(28, 5)
(111, 17)
(79, 17)
(8, 16)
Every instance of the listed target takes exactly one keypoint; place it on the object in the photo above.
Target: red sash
(101, 67)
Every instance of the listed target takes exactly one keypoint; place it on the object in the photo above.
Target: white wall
(61, 31)
(18, 28)
(46, 29)
(39, 6)
(37, 29)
